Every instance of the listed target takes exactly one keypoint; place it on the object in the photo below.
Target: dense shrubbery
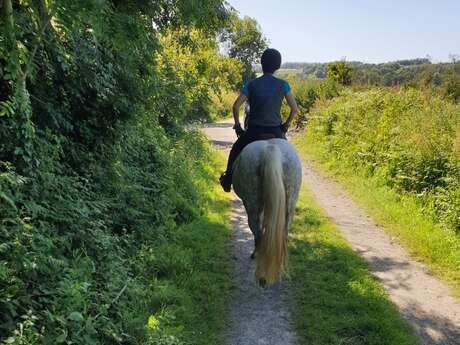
(222, 104)
(80, 255)
(407, 137)
(96, 170)
(307, 92)
(195, 72)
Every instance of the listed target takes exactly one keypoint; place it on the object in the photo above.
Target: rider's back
(265, 95)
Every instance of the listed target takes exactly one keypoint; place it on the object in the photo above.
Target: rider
(265, 95)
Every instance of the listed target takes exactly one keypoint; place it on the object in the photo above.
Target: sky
(357, 30)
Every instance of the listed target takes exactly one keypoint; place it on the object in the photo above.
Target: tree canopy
(340, 72)
(244, 41)
(96, 167)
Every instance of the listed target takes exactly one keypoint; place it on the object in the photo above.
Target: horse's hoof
(262, 282)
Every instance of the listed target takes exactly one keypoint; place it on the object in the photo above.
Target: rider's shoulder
(270, 79)
(280, 80)
(284, 84)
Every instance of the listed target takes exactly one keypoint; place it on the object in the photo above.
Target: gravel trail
(261, 316)
(421, 298)
(257, 316)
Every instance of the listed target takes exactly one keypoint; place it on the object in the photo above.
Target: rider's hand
(285, 127)
(238, 130)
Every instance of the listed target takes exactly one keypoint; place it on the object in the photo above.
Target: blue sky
(364, 30)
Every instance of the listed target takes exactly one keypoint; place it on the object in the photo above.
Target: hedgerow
(307, 92)
(407, 137)
(96, 166)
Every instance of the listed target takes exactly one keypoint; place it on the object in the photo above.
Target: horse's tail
(272, 246)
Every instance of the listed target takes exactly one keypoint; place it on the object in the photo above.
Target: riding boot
(226, 181)
(226, 178)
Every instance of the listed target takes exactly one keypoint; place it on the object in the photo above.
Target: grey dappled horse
(267, 177)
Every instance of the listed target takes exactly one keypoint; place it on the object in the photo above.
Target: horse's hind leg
(291, 200)
(254, 224)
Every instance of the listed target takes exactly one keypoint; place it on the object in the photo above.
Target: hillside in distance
(385, 74)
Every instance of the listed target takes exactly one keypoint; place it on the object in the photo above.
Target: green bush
(407, 137)
(76, 257)
(97, 170)
(222, 105)
(451, 87)
(307, 92)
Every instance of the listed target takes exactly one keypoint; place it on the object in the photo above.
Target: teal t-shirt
(265, 95)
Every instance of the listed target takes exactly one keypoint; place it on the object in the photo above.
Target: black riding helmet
(271, 60)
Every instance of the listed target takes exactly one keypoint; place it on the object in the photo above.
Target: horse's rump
(266, 176)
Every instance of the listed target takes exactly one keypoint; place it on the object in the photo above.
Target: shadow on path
(258, 316)
(421, 298)
(431, 329)
(339, 304)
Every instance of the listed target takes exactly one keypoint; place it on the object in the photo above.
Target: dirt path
(422, 299)
(258, 316)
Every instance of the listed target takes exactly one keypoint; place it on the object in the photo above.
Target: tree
(244, 41)
(89, 93)
(14, 74)
(454, 58)
(340, 71)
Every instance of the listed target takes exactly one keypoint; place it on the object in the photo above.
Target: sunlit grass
(401, 215)
(334, 298)
(192, 291)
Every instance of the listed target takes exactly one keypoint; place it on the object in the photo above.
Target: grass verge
(401, 215)
(336, 299)
(193, 282)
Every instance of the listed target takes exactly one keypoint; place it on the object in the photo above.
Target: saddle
(266, 136)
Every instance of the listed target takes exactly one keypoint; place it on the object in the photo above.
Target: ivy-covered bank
(109, 233)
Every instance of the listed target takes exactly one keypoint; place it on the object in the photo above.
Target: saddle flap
(266, 136)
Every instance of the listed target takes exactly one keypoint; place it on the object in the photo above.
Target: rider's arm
(236, 108)
(294, 108)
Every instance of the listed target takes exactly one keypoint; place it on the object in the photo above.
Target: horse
(267, 177)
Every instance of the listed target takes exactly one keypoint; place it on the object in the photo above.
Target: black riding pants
(252, 134)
